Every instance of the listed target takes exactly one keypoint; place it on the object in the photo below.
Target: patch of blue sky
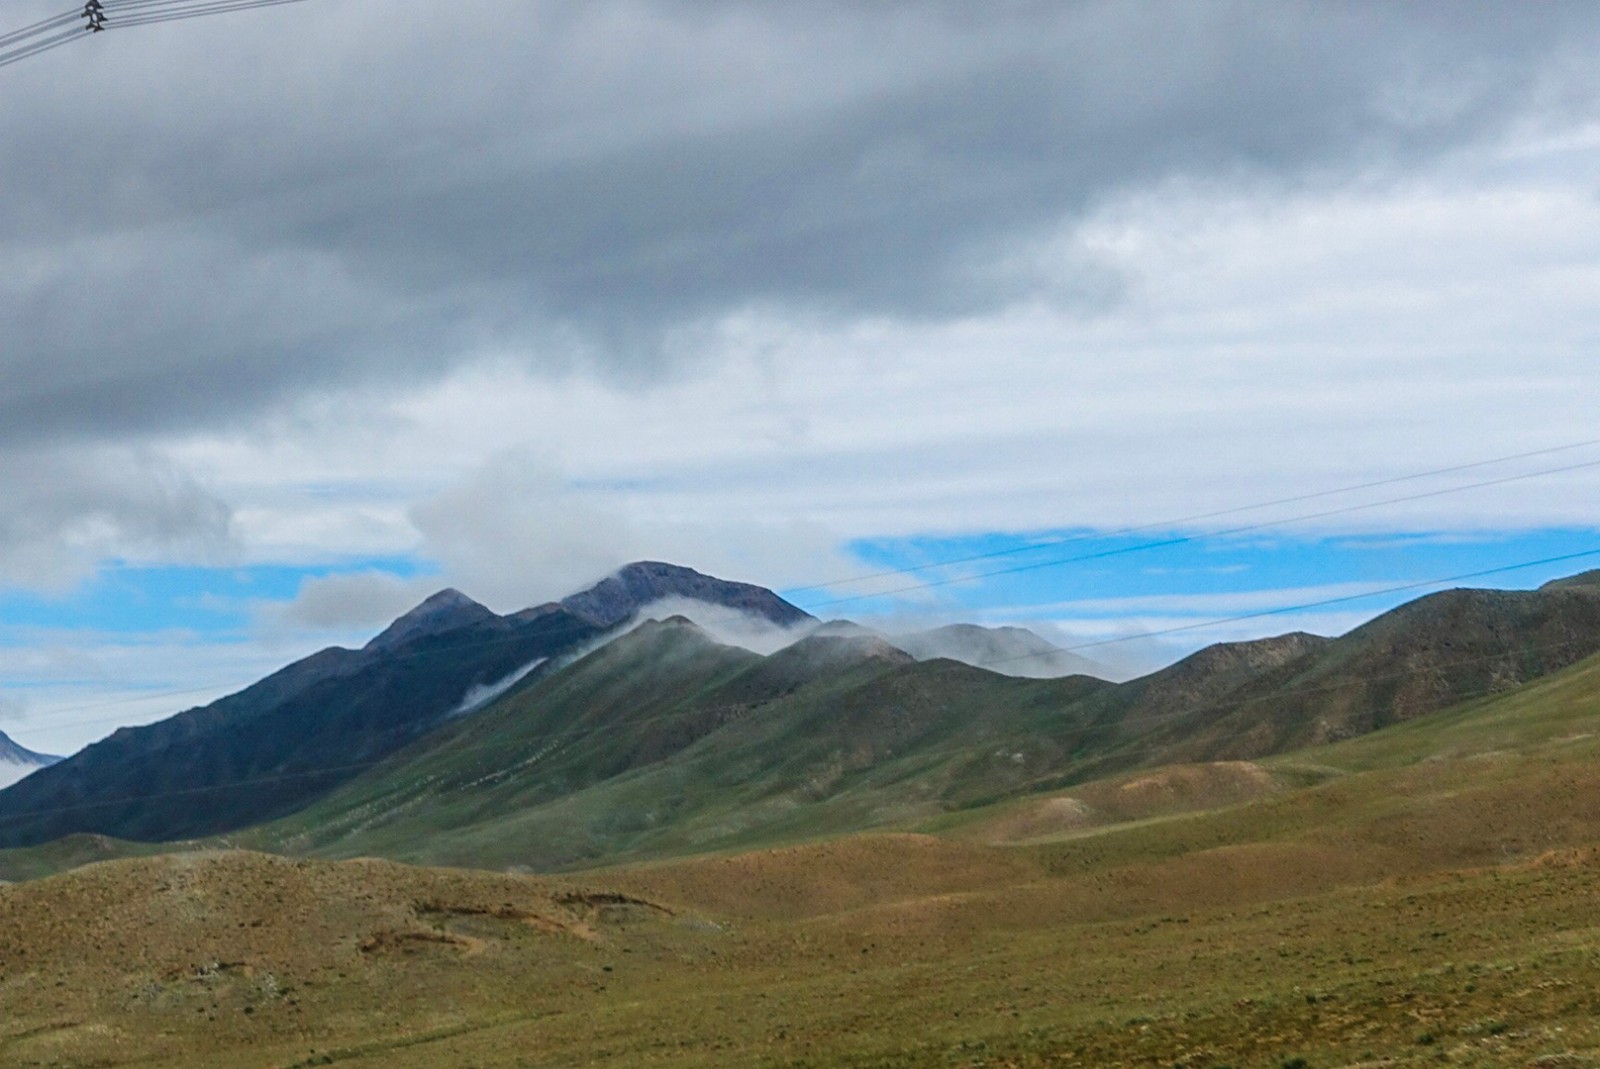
(1071, 574)
(213, 604)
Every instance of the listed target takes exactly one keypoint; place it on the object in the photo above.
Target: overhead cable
(1178, 540)
(33, 48)
(1182, 521)
(98, 15)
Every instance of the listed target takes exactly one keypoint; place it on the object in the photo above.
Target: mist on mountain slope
(482, 694)
(1011, 651)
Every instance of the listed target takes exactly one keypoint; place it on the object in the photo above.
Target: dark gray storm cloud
(205, 219)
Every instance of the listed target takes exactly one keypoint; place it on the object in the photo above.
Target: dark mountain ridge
(448, 610)
(13, 753)
(1254, 699)
(620, 597)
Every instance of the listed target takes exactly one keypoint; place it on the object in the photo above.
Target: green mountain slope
(666, 743)
(1421, 657)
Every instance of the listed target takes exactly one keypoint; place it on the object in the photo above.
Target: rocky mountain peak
(447, 610)
(621, 595)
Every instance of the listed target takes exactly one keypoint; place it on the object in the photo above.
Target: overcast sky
(312, 310)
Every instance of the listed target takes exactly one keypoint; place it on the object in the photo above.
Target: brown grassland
(1426, 895)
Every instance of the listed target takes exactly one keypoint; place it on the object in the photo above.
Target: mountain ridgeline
(665, 741)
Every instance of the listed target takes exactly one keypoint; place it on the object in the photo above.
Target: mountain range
(1406, 896)
(302, 731)
(667, 742)
(579, 732)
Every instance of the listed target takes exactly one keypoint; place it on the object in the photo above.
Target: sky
(1193, 321)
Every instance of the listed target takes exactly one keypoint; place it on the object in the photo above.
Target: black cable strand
(8, 58)
(38, 28)
(215, 9)
(1196, 518)
(1178, 540)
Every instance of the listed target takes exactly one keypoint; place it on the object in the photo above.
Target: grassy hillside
(1424, 894)
(666, 744)
(640, 752)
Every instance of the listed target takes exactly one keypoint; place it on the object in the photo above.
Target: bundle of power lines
(97, 15)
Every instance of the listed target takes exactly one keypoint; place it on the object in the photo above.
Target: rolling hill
(1418, 895)
(666, 743)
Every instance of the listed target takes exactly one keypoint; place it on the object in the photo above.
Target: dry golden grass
(797, 882)
(1136, 796)
(1430, 901)
(885, 951)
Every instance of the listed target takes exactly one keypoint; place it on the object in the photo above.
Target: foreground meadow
(1425, 895)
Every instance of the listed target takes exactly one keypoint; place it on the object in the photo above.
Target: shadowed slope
(632, 702)
(278, 744)
(1421, 657)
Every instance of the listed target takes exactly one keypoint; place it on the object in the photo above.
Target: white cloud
(515, 533)
(1164, 347)
(349, 602)
(727, 625)
(68, 509)
(13, 707)
(1272, 342)
(82, 684)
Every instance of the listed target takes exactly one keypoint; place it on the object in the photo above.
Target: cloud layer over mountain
(208, 218)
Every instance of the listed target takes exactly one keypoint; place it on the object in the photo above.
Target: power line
(1178, 540)
(17, 45)
(17, 55)
(1324, 602)
(1197, 517)
(38, 28)
(180, 12)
